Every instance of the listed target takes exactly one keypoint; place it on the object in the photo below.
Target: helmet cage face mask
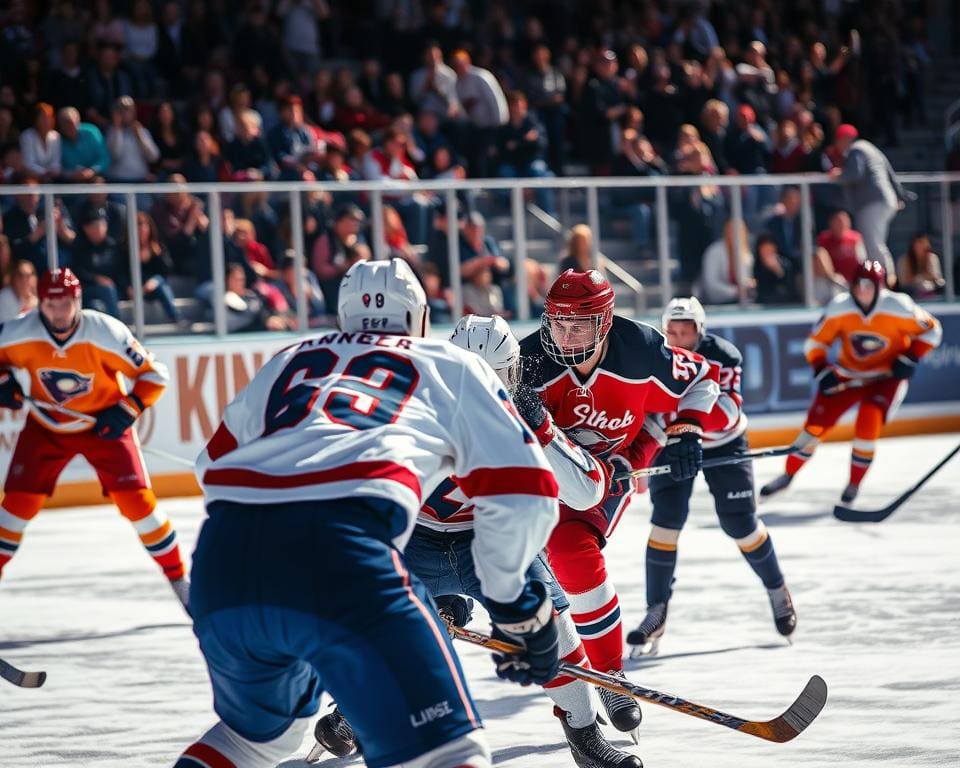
(585, 334)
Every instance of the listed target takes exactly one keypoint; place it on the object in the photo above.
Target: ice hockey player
(439, 553)
(882, 336)
(77, 358)
(312, 482)
(599, 375)
(684, 324)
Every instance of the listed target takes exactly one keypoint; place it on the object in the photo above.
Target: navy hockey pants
(292, 600)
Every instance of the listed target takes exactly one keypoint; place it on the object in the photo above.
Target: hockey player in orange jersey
(78, 359)
(882, 336)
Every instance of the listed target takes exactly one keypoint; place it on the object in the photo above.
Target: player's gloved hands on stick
(529, 406)
(112, 422)
(903, 367)
(619, 465)
(684, 452)
(527, 622)
(455, 609)
(11, 395)
(828, 380)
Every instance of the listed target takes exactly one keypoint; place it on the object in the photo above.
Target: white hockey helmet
(382, 297)
(685, 308)
(491, 338)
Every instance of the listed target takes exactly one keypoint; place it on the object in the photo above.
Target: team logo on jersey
(867, 344)
(596, 442)
(64, 385)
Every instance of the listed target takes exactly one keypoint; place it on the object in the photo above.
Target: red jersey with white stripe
(366, 415)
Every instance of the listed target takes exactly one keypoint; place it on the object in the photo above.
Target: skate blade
(635, 735)
(314, 755)
(647, 650)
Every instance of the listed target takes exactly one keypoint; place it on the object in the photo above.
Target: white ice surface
(879, 619)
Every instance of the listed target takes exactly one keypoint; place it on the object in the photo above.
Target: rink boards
(206, 373)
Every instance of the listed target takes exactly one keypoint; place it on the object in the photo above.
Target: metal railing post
(379, 244)
(520, 252)
(565, 208)
(217, 265)
(736, 215)
(453, 253)
(663, 245)
(593, 221)
(299, 260)
(136, 272)
(50, 226)
(806, 244)
(946, 215)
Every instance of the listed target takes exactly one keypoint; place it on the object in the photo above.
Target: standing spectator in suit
(873, 192)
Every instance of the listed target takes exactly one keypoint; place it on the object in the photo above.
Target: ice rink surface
(879, 619)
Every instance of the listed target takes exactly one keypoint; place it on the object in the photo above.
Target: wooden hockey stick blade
(20, 678)
(850, 515)
(787, 726)
(720, 461)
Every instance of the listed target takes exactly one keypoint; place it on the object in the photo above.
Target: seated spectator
(331, 256)
(248, 152)
(320, 104)
(116, 212)
(698, 212)
(637, 157)
(294, 146)
(394, 101)
(9, 130)
(170, 140)
(723, 267)
(827, 281)
(483, 269)
(788, 154)
(395, 236)
(918, 270)
(605, 101)
(785, 225)
(19, 295)
(67, 84)
(155, 266)
(100, 263)
(776, 276)
(132, 148)
(40, 145)
(141, 44)
(547, 89)
(106, 82)
(748, 151)
(714, 121)
(246, 309)
(257, 254)
(83, 151)
(390, 163)
(427, 138)
(182, 224)
(485, 107)
(287, 285)
(843, 245)
(579, 255)
(521, 145)
(25, 223)
(239, 100)
(203, 164)
(355, 112)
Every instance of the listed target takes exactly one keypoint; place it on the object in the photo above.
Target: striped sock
(757, 549)
(160, 540)
(596, 614)
(17, 510)
(804, 446)
(861, 457)
(202, 755)
(661, 563)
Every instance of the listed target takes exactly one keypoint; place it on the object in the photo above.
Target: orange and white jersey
(871, 342)
(85, 373)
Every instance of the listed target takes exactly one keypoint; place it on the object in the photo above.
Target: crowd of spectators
(246, 90)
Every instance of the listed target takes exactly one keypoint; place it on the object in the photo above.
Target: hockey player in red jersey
(598, 375)
(78, 358)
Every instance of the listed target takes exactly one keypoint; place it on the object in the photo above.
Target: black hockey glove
(903, 367)
(455, 609)
(618, 465)
(684, 452)
(828, 380)
(112, 422)
(529, 406)
(528, 622)
(11, 395)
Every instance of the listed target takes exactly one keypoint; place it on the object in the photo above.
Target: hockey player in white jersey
(439, 553)
(313, 482)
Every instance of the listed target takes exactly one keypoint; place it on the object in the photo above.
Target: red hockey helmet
(577, 317)
(58, 282)
(871, 270)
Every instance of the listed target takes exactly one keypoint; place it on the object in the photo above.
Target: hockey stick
(849, 515)
(160, 454)
(20, 678)
(720, 461)
(787, 726)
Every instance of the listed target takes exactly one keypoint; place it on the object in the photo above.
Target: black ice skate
(334, 735)
(849, 493)
(784, 614)
(591, 750)
(623, 711)
(775, 486)
(645, 639)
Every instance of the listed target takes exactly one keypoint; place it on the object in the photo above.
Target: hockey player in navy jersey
(312, 482)
(684, 325)
(599, 375)
(440, 552)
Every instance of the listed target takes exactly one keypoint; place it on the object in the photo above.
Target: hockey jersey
(727, 420)
(85, 373)
(639, 374)
(365, 415)
(870, 342)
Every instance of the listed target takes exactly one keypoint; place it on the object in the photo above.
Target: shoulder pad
(717, 349)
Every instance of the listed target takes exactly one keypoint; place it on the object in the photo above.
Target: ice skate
(334, 735)
(645, 639)
(775, 486)
(849, 493)
(591, 750)
(181, 588)
(623, 712)
(784, 614)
